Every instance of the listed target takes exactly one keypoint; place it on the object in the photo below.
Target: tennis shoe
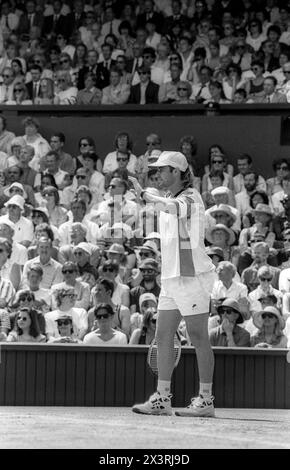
(199, 407)
(156, 405)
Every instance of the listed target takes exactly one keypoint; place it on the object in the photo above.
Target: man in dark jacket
(146, 92)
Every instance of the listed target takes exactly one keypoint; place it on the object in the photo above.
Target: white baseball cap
(171, 158)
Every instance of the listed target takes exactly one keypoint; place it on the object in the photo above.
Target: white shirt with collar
(23, 229)
(236, 291)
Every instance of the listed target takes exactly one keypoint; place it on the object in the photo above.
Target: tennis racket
(152, 354)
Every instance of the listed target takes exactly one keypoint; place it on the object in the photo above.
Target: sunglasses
(284, 71)
(112, 186)
(255, 69)
(143, 73)
(22, 318)
(268, 315)
(181, 89)
(105, 316)
(218, 161)
(282, 168)
(148, 271)
(7, 76)
(84, 145)
(82, 177)
(71, 296)
(145, 254)
(61, 80)
(110, 270)
(268, 279)
(18, 89)
(25, 297)
(253, 25)
(68, 271)
(78, 253)
(63, 322)
(227, 311)
(120, 159)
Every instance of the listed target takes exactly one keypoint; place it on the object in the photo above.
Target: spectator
(223, 237)
(66, 161)
(229, 333)
(184, 92)
(145, 92)
(115, 93)
(270, 324)
(23, 226)
(146, 333)
(34, 278)
(87, 144)
(34, 138)
(90, 94)
(168, 90)
(148, 269)
(255, 86)
(102, 293)
(6, 137)
(7, 88)
(65, 330)
(51, 268)
(110, 270)
(81, 289)
(46, 92)
(123, 147)
(27, 328)
(78, 210)
(270, 94)
(260, 253)
(66, 93)
(105, 334)
(65, 301)
(281, 167)
(263, 224)
(264, 289)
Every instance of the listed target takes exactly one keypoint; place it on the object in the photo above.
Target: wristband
(142, 193)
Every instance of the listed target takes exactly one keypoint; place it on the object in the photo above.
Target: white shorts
(189, 295)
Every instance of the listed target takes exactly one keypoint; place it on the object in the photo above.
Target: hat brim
(229, 231)
(7, 192)
(258, 320)
(13, 204)
(116, 252)
(230, 214)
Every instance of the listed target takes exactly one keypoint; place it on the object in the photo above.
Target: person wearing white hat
(23, 232)
(270, 324)
(14, 189)
(19, 252)
(222, 195)
(263, 217)
(187, 278)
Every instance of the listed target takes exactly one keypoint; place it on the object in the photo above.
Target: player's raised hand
(137, 186)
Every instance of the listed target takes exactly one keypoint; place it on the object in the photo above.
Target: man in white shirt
(244, 164)
(111, 24)
(51, 269)
(34, 279)
(6, 89)
(243, 197)
(116, 92)
(78, 209)
(23, 227)
(52, 163)
(19, 252)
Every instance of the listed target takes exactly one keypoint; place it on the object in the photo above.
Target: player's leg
(160, 402)
(197, 328)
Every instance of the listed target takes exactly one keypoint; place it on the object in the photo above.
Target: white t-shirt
(93, 339)
(79, 318)
(111, 164)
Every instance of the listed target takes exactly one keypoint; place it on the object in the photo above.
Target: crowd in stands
(108, 52)
(80, 250)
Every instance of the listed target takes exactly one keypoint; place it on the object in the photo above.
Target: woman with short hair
(104, 334)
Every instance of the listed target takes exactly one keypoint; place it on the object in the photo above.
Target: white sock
(163, 387)
(205, 390)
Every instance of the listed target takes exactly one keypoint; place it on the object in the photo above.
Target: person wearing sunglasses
(70, 274)
(7, 87)
(102, 292)
(26, 328)
(104, 334)
(146, 91)
(65, 298)
(184, 92)
(255, 35)
(270, 325)
(65, 330)
(66, 92)
(20, 95)
(110, 270)
(255, 85)
(228, 333)
(146, 332)
(123, 145)
(264, 288)
(281, 167)
(25, 298)
(147, 282)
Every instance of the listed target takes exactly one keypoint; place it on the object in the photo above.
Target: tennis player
(187, 277)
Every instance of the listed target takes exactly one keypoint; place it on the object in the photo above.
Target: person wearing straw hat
(263, 217)
(229, 333)
(187, 277)
(23, 232)
(222, 195)
(270, 324)
(224, 237)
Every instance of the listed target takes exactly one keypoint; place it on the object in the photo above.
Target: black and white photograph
(144, 231)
